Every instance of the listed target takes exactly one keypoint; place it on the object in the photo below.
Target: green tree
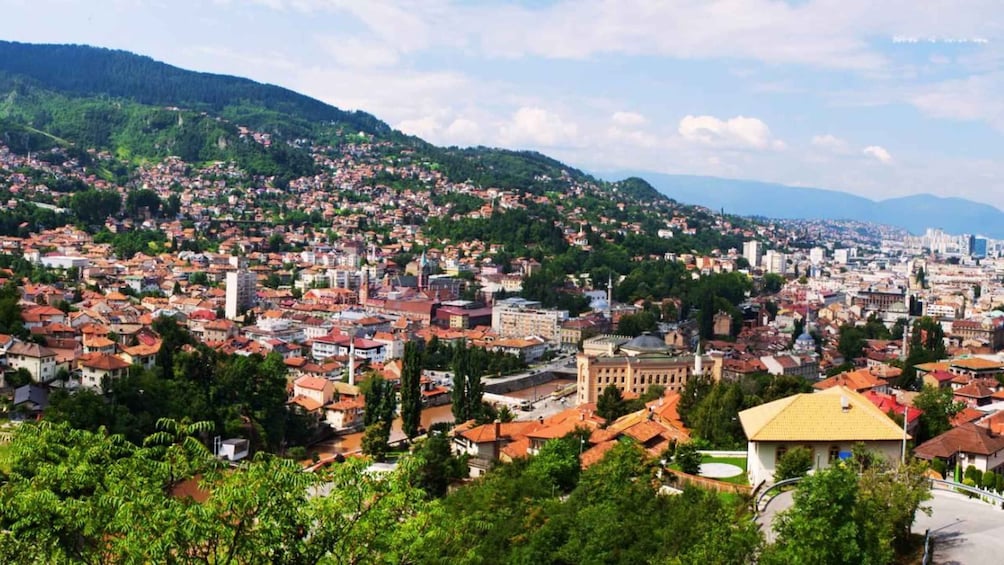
(610, 403)
(772, 283)
(688, 458)
(796, 462)
(411, 389)
(437, 466)
(634, 325)
(139, 200)
(467, 366)
(821, 526)
(381, 402)
(841, 516)
(375, 440)
(93, 207)
(938, 406)
(852, 342)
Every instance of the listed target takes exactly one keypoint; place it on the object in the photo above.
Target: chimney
(845, 404)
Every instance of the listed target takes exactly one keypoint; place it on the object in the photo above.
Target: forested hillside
(77, 70)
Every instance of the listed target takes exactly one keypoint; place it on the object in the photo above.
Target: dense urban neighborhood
(356, 347)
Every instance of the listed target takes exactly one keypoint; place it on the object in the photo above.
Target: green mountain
(140, 109)
(83, 71)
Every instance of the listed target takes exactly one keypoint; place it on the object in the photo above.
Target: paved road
(966, 531)
(779, 503)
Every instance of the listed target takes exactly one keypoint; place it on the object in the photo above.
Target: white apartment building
(240, 292)
(753, 252)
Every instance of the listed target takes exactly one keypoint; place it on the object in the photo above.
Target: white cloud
(628, 119)
(531, 125)
(976, 97)
(427, 127)
(829, 142)
(738, 132)
(463, 131)
(359, 53)
(878, 152)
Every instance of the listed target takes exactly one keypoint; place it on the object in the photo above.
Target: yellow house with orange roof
(828, 423)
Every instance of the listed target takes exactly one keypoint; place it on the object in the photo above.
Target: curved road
(965, 531)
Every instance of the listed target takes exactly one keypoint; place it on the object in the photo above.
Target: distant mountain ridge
(914, 213)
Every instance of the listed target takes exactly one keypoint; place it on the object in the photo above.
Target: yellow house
(829, 423)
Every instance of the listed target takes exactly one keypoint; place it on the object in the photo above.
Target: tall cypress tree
(474, 386)
(411, 389)
(460, 366)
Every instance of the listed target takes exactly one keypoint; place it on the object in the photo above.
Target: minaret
(352, 356)
(610, 296)
(421, 271)
(698, 361)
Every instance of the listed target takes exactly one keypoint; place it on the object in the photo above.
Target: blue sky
(881, 99)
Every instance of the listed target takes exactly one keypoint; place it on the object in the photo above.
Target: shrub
(796, 462)
(688, 458)
(989, 481)
(969, 483)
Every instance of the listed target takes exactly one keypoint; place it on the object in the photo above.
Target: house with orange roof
(96, 367)
(98, 344)
(938, 378)
(861, 380)
(978, 392)
(484, 443)
(319, 390)
(345, 413)
(142, 354)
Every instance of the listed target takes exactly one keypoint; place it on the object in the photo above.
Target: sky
(880, 98)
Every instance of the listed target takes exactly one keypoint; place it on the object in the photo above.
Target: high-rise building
(240, 292)
(977, 247)
(775, 262)
(753, 252)
(817, 255)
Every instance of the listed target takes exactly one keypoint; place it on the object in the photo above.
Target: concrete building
(517, 317)
(775, 262)
(37, 359)
(240, 292)
(753, 252)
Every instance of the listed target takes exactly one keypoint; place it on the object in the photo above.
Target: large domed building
(644, 344)
(635, 364)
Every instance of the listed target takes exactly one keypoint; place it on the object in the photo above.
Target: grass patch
(740, 462)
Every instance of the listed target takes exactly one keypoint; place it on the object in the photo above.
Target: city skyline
(878, 101)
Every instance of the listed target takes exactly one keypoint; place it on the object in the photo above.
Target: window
(834, 453)
(781, 450)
